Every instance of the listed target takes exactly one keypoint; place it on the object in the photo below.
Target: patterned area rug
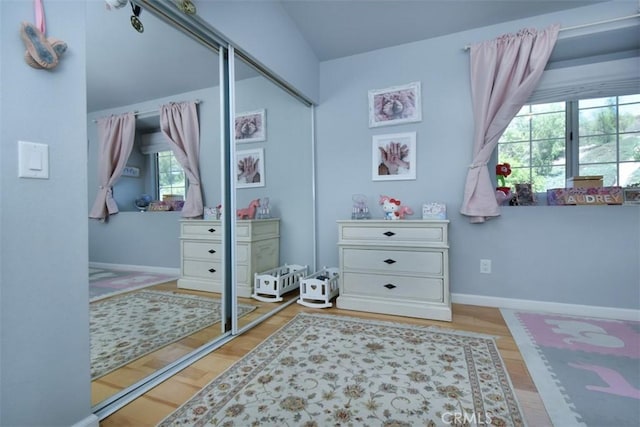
(126, 327)
(322, 370)
(587, 370)
(105, 283)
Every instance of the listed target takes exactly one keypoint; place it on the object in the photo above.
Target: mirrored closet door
(143, 317)
(273, 181)
(256, 177)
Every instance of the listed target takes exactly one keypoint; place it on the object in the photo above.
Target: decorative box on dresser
(257, 250)
(395, 267)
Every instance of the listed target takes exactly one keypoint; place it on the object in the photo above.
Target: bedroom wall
(265, 31)
(152, 238)
(573, 255)
(44, 319)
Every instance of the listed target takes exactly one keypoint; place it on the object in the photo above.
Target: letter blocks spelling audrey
(316, 290)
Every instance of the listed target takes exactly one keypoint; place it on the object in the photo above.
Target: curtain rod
(591, 24)
(142, 113)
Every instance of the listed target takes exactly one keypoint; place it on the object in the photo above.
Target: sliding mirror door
(142, 318)
(274, 194)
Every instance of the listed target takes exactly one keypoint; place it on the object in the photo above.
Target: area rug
(323, 370)
(587, 370)
(104, 283)
(128, 326)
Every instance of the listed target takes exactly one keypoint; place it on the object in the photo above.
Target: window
(170, 177)
(547, 143)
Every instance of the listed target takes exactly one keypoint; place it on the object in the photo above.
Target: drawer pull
(212, 270)
(389, 261)
(211, 230)
(212, 251)
(389, 286)
(389, 233)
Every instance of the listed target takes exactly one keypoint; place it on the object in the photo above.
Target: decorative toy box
(270, 285)
(585, 181)
(320, 288)
(585, 196)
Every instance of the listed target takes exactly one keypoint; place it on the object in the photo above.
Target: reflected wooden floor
(116, 381)
(159, 402)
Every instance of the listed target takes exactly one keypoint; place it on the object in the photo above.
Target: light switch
(33, 160)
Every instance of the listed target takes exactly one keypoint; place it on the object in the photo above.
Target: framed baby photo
(251, 126)
(250, 168)
(395, 105)
(394, 157)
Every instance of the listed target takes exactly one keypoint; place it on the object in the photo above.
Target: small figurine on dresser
(250, 211)
(393, 208)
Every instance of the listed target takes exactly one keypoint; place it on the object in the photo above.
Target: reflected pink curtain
(504, 73)
(179, 123)
(115, 137)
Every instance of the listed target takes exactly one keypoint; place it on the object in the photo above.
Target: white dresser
(395, 267)
(257, 250)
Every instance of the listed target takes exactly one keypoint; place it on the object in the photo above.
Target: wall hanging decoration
(395, 105)
(394, 157)
(42, 52)
(251, 126)
(250, 168)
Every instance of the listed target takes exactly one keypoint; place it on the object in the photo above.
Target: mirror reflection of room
(157, 276)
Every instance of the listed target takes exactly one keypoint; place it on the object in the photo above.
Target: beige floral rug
(323, 370)
(129, 326)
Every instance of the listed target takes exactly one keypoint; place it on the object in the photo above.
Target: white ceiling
(125, 67)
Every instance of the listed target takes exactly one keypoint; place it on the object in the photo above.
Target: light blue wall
(44, 315)
(575, 255)
(151, 238)
(263, 29)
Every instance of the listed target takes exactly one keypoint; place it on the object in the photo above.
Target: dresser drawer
(202, 270)
(199, 249)
(388, 231)
(393, 261)
(198, 229)
(257, 230)
(392, 287)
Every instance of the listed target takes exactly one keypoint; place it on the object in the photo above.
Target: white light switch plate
(33, 160)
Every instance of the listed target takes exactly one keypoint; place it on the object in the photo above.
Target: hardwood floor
(116, 381)
(159, 402)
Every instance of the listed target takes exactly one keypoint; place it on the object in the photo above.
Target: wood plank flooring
(159, 402)
(113, 382)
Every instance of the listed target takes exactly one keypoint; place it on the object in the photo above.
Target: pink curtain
(115, 138)
(179, 123)
(504, 73)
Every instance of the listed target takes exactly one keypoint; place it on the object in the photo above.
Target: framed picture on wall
(251, 126)
(395, 105)
(394, 157)
(250, 168)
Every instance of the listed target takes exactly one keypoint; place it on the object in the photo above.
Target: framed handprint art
(395, 105)
(394, 157)
(250, 168)
(251, 126)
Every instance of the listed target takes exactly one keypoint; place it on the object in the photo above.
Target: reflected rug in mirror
(129, 326)
(586, 370)
(322, 370)
(104, 283)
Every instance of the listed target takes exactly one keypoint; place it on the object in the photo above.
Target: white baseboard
(142, 268)
(90, 421)
(550, 307)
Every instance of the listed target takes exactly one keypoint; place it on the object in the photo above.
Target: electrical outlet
(485, 266)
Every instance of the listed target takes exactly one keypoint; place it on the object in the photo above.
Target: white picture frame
(251, 161)
(393, 157)
(251, 126)
(395, 105)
